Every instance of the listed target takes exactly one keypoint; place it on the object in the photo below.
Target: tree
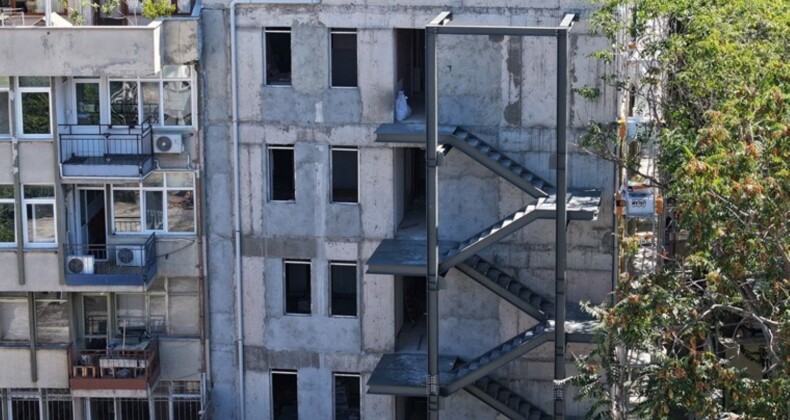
(716, 83)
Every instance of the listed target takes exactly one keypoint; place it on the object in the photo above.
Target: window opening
(347, 397)
(343, 278)
(410, 69)
(95, 321)
(343, 57)
(278, 56)
(284, 396)
(14, 319)
(297, 287)
(52, 318)
(410, 314)
(88, 101)
(345, 175)
(283, 177)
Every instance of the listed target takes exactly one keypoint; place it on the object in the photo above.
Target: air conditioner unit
(80, 264)
(129, 257)
(168, 143)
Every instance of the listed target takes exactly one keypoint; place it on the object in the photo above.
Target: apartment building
(101, 290)
(317, 217)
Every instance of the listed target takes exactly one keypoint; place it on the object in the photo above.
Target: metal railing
(119, 361)
(112, 259)
(10, 16)
(79, 143)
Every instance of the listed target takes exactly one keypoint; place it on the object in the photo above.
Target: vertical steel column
(562, 219)
(432, 216)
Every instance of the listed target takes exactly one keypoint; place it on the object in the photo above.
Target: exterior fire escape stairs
(401, 374)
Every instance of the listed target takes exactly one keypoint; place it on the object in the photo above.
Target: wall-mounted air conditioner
(129, 257)
(168, 143)
(80, 264)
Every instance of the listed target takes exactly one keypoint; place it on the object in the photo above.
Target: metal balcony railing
(106, 150)
(120, 366)
(110, 264)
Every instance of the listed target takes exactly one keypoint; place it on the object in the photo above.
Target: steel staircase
(502, 399)
(474, 376)
(488, 156)
(507, 287)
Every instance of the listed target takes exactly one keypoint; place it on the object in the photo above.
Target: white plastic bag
(402, 109)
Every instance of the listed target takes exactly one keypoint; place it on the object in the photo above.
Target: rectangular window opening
(39, 209)
(344, 57)
(7, 216)
(283, 182)
(345, 175)
(347, 397)
(343, 278)
(297, 287)
(284, 395)
(278, 56)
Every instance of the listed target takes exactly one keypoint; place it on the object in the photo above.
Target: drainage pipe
(237, 208)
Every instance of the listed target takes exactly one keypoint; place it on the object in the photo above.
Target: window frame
(12, 201)
(75, 104)
(270, 156)
(309, 265)
(343, 31)
(37, 202)
(356, 288)
(141, 189)
(5, 87)
(276, 30)
(161, 80)
(341, 149)
(336, 375)
(146, 310)
(20, 125)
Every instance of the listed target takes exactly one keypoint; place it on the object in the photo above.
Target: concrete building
(316, 207)
(101, 291)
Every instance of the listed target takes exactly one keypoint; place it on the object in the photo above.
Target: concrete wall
(502, 88)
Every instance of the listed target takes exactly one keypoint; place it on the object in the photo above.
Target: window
(343, 279)
(345, 176)
(163, 202)
(165, 100)
(297, 287)
(14, 319)
(38, 204)
(282, 175)
(344, 58)
(52, 319)
(34, 107)
(24, 405)
(284, 396)
(35, 7)
(347, 401)
(88, 106)
(58, 403)
(139, 313)
(5, 107)
(7, 216)
(278, 56)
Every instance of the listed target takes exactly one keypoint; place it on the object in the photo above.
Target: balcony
(106, 151)
(123, 366)
(138, 47)
(131, 263)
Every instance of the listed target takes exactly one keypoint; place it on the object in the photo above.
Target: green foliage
(589, 93)
(723, 131)
(153, 9)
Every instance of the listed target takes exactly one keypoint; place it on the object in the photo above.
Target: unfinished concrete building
(100, 233)
(316, 174)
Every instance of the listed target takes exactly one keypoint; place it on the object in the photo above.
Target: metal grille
(59, 405)
(134, 409)
(25, 407)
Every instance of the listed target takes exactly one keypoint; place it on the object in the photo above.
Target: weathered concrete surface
(502, 88)
(53, 371)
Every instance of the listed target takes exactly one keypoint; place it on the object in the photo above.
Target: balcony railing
(111, 264)
(121, 366)
(106, 151)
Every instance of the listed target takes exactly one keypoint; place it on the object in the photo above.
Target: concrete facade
(500, 88)
(97, 87)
